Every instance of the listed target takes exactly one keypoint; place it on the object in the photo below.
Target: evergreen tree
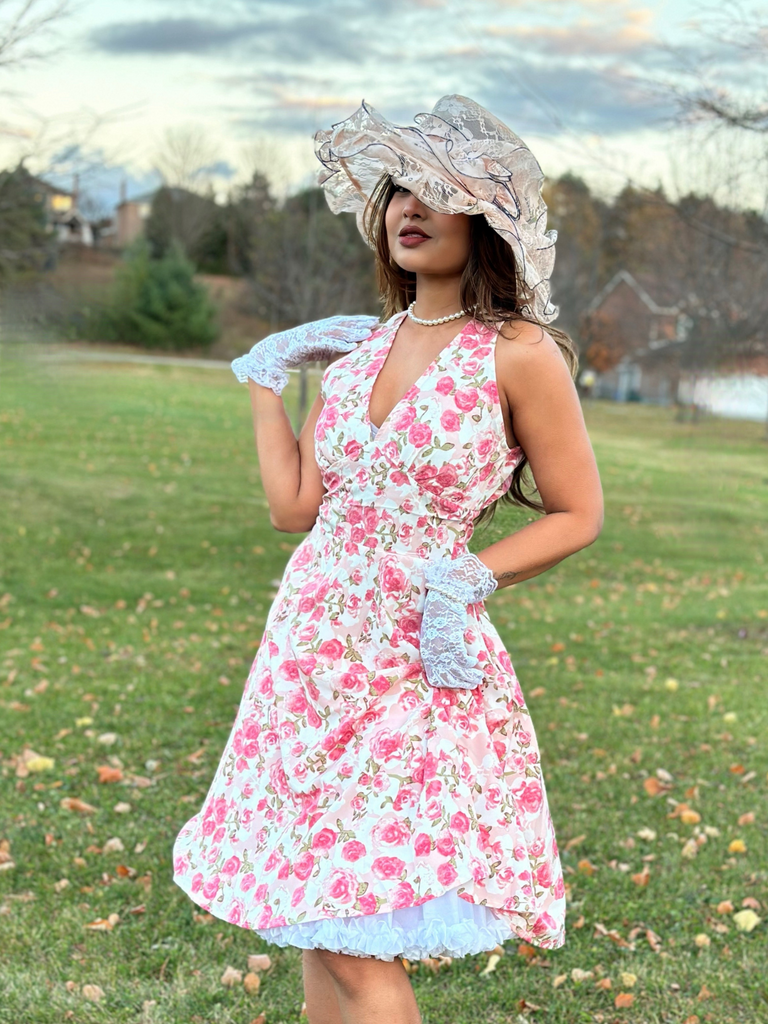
(24, 241)
(158, 304)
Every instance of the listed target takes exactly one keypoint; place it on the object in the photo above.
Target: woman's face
(423, 241)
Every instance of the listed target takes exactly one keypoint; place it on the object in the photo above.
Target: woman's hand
(269, 358)
(452, 585)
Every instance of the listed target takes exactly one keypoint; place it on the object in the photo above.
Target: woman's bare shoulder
(526, 355)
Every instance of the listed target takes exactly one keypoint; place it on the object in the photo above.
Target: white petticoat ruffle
(446, 925)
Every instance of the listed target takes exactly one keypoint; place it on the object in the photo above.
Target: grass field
(138, 569)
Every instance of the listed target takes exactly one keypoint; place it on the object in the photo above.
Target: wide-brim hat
(458, 159)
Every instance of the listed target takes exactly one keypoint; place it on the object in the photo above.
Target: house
(62, 214)
(632, 341)
(131, 216)
(634, 344)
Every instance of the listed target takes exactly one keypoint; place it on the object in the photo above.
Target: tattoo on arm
(508, 575)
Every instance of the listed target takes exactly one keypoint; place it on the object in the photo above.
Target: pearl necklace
(433, 323)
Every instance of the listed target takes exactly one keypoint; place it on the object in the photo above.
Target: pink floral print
(348, 785)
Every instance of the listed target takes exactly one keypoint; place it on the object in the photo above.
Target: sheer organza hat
(458, 159)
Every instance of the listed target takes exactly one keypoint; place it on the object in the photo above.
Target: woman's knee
(352, 973)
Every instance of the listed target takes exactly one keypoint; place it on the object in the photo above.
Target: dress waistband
(376, 526)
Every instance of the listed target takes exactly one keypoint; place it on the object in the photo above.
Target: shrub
(157, 303)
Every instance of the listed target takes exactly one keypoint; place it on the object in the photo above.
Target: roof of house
(630, 280)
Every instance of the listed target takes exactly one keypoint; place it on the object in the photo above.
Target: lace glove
(451, 585)
(269, 358)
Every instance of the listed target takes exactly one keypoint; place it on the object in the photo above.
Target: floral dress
(355, 807)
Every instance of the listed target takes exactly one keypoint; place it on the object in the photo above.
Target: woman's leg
(319, 991)
(368, 991)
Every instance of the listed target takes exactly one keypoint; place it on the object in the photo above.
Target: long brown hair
(490, 286)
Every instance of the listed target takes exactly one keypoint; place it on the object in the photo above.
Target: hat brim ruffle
(451, 170)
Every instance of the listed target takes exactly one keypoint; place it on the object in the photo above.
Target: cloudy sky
(255, 79)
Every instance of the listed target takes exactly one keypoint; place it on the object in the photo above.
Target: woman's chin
(419, 263)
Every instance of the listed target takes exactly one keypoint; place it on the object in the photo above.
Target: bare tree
(24, 27)
(738, 38)
(185, 157)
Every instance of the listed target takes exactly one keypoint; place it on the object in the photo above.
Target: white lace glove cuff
(270, 358)
(256, 366)
(465, 580)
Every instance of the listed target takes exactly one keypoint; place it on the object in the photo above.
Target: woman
(380, 795)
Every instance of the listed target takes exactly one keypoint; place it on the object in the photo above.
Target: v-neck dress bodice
(355, 807)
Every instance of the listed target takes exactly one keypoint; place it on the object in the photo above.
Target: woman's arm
(289, 471)
(547, 422)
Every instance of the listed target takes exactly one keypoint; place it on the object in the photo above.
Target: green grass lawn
(138, 569)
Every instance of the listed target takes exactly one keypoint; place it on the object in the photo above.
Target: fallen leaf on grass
(431, 963)
(559, 980)
(575, 841)
(747, 819)
(610, 933)
(122, 808)
(261, 1019)
(61, 885)
(29, 761)
(114, 845)
(647, 834)
(603, 984)
(108, 774)
(231, 977)
(737, 846)
(93, 992)
(746, 920)
(578, 975)
(586, 867)
(654, 786)
(259, 962)
(623, 1000)
(140, 781)
(704, 993)
(73, 803)
(627, 979)
(490, 967)
(6, 860)
(690, 849)
(686, 814)
(104, 924)
(750, 901)
(642, 877)
(526, 951)
(251, 983)
(702, 940)
(654, 940)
